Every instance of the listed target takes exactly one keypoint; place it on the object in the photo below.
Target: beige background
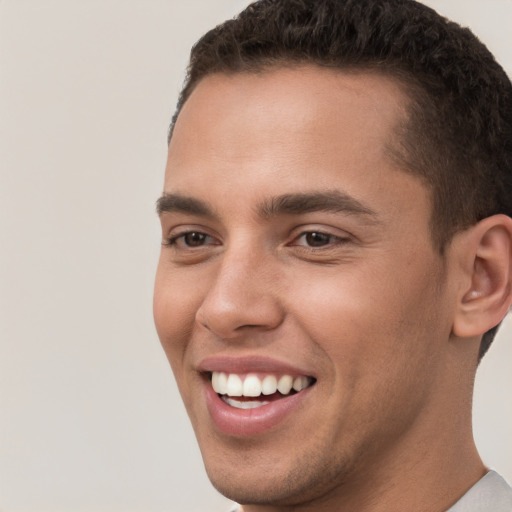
(89, 417)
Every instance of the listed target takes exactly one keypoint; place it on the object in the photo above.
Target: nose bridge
(242, 294)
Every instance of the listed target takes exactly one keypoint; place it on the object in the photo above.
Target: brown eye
(316, 239)
(194, 239)
(191, 240)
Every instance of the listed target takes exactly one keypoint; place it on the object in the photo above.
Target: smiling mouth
(256, 390)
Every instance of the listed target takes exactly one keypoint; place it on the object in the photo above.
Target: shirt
(490, 494)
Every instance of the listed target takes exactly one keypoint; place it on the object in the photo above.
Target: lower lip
(248, 422)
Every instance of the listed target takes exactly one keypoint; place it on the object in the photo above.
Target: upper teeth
(231, 384)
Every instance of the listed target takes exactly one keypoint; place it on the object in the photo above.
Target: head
(334, 218)
(457, 137)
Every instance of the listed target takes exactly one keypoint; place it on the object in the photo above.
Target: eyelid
(329, 245)
(340, 236)
(178, 232)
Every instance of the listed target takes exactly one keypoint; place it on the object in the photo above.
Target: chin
(261, 480)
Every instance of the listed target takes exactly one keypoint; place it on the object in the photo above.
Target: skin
(370, 312)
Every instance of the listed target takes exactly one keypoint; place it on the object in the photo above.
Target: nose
(242, 297)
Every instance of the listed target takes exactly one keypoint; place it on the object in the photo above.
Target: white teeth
(252, 386)
(300, 383)
(220, 382)
(269, 385)
(234, 385)
(253, 404)
(285, 384)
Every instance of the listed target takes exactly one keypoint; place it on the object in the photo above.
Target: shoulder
(490, 494)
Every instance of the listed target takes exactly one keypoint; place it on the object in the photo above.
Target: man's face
(295, 248)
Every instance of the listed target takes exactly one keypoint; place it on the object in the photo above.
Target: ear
(486, 293)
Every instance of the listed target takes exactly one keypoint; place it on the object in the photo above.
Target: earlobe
(487, 294)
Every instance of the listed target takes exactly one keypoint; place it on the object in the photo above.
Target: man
(337, 255)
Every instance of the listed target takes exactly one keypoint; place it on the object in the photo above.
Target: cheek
(378, 335)
(343, 305)
(363, 319)
(175, 304)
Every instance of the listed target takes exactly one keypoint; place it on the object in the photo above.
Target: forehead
(294, 129)
(305, 101)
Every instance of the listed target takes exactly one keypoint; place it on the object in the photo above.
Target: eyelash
(173, 240)
(333, 240)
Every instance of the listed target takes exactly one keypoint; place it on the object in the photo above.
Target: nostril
(233, 324)
(205, 325)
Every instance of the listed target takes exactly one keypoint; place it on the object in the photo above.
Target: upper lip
(248, 364)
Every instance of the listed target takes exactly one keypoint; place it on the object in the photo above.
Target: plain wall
(90, 419)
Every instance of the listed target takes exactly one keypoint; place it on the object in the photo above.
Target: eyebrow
(330, 201)
(291, 204)
(178, 203)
